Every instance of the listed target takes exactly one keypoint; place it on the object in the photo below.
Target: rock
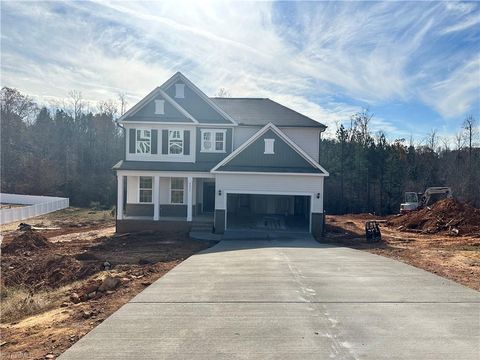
(109, 283)
(86, 314)
(146, 283)
(91, 288)
(74, 298)
(64, 304)
(84, 297)
(92, 294)
(49, 356)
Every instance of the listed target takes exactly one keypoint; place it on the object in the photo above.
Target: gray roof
(164, 166)
(260, 111)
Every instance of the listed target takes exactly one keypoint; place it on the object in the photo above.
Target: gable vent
(269, 146)
(159, 107)
(179, 91)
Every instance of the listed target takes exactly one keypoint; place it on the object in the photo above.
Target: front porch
(175, 197)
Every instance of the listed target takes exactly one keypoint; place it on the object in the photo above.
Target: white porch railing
(37, 205)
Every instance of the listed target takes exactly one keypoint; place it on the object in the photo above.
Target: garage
(268, 212)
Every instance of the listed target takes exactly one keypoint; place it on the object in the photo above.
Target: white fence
(37, 205)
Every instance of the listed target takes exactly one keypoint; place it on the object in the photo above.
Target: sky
(414, 65)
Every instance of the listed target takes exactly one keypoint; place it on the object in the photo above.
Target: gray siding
(147, 113)
(284, 159)
(213, 157)
(197, 107)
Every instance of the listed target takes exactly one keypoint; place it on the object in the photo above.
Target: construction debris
(448, 216)
(27, 240)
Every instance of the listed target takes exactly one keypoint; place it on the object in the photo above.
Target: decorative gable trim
(256, 136)
(155, 92)
(179, 76)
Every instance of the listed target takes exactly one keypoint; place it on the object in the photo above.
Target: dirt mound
(445, 216)
(50, 271)
(28, 240)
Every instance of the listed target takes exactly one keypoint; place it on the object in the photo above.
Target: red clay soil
(447, 216)
(28, 240)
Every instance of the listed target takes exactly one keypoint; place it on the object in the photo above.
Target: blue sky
(415, 65)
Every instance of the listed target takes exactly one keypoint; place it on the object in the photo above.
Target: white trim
(199, 92)
(189, 197)
(182, 139)
(120, 200)
(266, 192)
(177, 106)
(156, 197)
(269, 146)
(266, 173)
(133, 122)
(165, 173)
(257, 135)
(213, 140)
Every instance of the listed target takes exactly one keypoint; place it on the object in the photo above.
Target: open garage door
(268, 212)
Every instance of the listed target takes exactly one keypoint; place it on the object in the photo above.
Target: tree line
(370, 174)
(66, 151)
(69, 149)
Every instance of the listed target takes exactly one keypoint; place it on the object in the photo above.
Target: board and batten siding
(269, 184)
(306, 138)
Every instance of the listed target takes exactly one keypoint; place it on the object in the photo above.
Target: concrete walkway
(291, 299)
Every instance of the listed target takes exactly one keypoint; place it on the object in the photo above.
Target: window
(176, 190)
(175, 142)
(179, 91)
(269, 146)
(145, 185)
(143, 142)
(159, 107)
(213, 140)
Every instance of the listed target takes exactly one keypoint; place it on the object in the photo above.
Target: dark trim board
(124, 226)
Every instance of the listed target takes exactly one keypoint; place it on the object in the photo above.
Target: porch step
(202, 226)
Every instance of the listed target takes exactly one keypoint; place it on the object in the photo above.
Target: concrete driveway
(291, 299)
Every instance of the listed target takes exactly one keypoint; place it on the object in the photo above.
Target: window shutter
(164, 141)
(154, 141)
(131, 141)
(186, 142)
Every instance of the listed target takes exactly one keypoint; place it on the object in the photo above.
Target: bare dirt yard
(443, 239)
(64, 278)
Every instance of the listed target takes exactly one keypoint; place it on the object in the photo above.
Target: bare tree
(108, 107)
(469, 125)
(432, 140)
(76, 102)
(123, 102)
(222, 92)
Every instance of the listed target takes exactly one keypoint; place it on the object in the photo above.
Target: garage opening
(268, 212)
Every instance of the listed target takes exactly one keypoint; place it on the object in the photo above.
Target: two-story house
(241, 163)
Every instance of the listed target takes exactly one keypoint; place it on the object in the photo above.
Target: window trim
(213, 133)
(140, 190)
(149, 141)
(170, 191)
(182, 138)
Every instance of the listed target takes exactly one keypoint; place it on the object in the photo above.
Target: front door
(208, 196)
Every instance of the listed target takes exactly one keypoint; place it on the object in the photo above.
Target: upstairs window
(179, 91)
(159, 107)
(175, 142)
(213, 140)
(145, 192)
(143, 142)
(269, 149)
(177, 188)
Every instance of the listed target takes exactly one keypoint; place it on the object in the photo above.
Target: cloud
(301, 54)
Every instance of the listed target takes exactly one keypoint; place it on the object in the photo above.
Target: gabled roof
(152, 95)
(303, 163)
(179, 77)
(260, 111)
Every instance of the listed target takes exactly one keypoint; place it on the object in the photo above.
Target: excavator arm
(424, 201)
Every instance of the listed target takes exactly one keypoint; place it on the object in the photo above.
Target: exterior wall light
(318, 195)
(219, 192)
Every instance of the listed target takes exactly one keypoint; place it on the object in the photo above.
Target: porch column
(156, 201)
(189, 197)
(119, 197)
